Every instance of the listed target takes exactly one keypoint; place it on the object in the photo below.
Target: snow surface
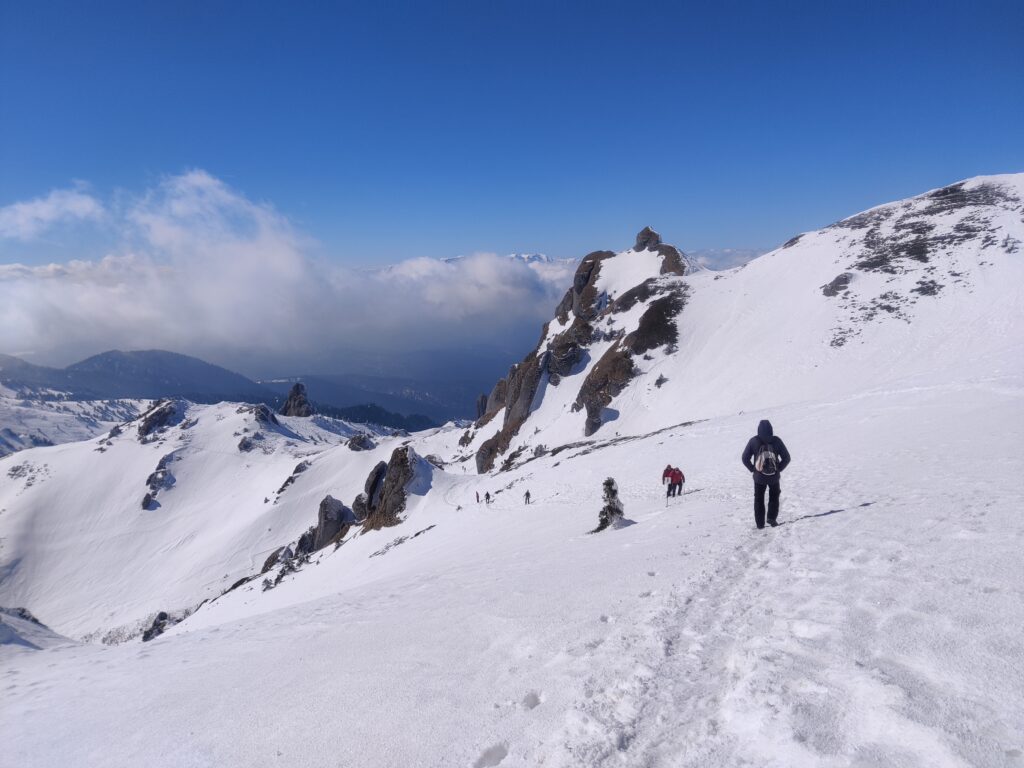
(26, 422)
(882, 624)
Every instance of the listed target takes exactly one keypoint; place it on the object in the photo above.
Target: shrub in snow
(611, 512)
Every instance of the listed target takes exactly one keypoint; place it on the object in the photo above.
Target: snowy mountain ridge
(879, 625)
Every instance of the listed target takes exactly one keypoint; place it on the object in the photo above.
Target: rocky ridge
(587, 314)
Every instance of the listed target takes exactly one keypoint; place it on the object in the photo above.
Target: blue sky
(385, 131)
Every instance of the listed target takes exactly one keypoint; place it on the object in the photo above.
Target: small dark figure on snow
(487, 497)
(478, 497)
(765, 457)
(526, 497)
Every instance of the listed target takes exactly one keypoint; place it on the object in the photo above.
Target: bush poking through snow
(611, 512)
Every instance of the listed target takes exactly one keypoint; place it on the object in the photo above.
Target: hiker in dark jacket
(774, 457)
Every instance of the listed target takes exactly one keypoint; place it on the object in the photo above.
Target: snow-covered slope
(27, 422)
(880, 625)
(97, 537)
(909, 293)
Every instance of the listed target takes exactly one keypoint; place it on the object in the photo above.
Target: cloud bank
(203, 270)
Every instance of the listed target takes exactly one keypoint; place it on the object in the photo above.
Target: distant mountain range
(150, 374)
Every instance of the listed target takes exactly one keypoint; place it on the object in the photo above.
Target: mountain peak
(647, 240)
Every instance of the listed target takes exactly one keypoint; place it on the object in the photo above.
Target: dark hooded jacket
(765, 436)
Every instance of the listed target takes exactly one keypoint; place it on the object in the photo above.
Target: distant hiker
(677, 479)
(487, 497)
(765, 457)
(666, 476)
(526, 497)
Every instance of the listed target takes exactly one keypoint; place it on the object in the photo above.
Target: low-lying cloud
(203, 270)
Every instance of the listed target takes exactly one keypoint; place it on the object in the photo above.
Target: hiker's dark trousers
(773, 488)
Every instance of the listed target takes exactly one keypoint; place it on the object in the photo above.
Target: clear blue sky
(389, 130)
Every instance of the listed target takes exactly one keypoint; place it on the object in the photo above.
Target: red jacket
(666, 475)
(677, 477)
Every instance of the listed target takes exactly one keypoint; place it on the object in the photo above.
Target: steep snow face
(98, 536)
(927, 289)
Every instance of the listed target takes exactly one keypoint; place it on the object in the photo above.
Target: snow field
(879, 625)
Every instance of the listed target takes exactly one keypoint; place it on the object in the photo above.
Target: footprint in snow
(531, 700)
(492, 756)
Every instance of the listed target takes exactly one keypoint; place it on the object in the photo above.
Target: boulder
(333, 522)
(297, 404)
(361, 442)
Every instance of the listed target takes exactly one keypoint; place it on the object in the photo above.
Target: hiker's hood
(764, 430)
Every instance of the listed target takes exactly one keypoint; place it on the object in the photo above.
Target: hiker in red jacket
(666, 477)
(676, 482)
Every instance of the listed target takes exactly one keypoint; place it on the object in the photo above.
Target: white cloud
(206, 271)
(29, 219)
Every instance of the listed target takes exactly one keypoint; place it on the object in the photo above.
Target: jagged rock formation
(297, 403)
(579, 314)
(394, 490)
(164, 413)
(481, 406)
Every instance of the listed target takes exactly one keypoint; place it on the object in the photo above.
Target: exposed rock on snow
(583, 309)
(297, 404)
(403, 469)
(333, 521)
(657, 327)
(361, 442)
(603, 384)
(164, 413)
(647, 239)
(838, 285)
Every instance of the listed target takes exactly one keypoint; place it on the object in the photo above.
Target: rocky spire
(647, 240)
(297, 404)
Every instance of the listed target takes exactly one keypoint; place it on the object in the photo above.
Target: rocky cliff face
(297, 403)
(582, 318)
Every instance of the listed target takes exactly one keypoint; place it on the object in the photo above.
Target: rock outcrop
(647, 240)
(605, 381)
(334, 520)
(577, 316)
(164, 413)
(386, 508)
(297, 403)
(361, 441)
